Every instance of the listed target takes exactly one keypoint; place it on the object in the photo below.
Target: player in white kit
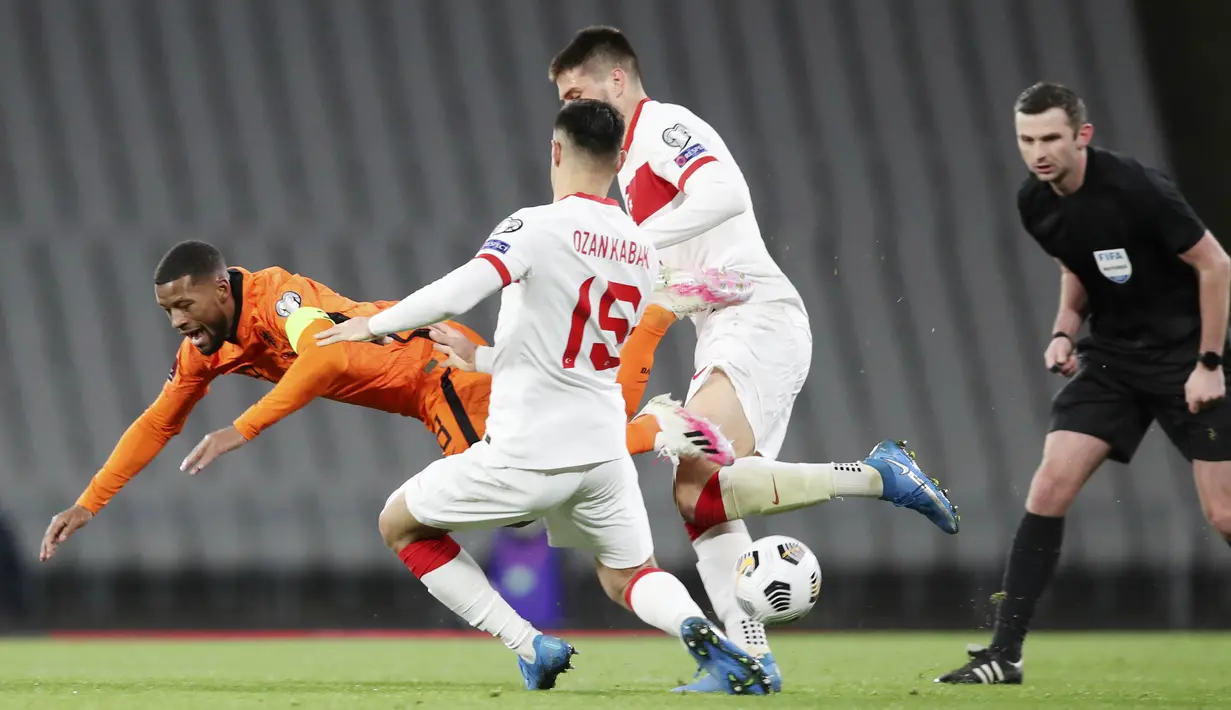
(683, 187)
(555, 447)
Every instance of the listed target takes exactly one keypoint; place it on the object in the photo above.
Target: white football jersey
(666, 144)
(584, 274)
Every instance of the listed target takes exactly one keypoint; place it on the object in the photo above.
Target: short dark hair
(593, 126)
(1046, 95)
(594, 45)
(191, 258)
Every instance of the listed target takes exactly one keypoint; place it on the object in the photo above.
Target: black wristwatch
(1210, 360)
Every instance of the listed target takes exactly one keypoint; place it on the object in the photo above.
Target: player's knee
(1053, 489)
(686, 497)
(691, 476)
(614, 587)
(394, 529)
(617, 582)
(1220, 517)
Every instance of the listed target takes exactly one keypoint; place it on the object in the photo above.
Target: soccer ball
(777, 580)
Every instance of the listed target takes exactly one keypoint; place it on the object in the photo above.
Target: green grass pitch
(832, 670)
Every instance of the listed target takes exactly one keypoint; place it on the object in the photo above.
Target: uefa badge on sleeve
(1114, 264)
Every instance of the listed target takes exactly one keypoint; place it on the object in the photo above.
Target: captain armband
(299, 321)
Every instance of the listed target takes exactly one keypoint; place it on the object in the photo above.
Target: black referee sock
(1032, 561)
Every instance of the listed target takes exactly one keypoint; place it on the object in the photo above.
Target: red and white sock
(718, 550)
(454, 578)
(660, 600)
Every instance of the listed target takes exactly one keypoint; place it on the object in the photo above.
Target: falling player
(260, 324)
(555, 447)
(682, 185)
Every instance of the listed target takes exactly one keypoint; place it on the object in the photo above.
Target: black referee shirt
(1122, 233)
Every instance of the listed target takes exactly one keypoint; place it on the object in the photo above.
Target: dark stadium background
(372, 144)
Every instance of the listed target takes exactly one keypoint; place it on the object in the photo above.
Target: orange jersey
(277, 315)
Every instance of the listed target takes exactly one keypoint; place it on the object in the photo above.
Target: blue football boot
(907, 487)
(711, 684)
(552, 656)
(734, 671)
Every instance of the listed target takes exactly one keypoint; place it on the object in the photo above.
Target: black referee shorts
(1118, 404)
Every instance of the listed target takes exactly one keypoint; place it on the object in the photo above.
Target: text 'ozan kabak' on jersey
(578, 275)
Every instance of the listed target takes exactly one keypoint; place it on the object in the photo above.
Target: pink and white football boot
(685, 292)
(684, 434)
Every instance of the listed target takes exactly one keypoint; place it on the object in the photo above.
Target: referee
(1155, 285)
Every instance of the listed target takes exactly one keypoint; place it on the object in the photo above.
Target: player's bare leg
(1213, 480)
(1069, 459)
(456, 580)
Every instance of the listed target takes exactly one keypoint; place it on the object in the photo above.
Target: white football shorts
(765, 349)
(597, 508)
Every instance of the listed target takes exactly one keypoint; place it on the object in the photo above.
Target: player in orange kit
(261, 324)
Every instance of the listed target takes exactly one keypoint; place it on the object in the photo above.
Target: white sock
(718, 549)
(759, 486)
(461, 585)
(660, 600)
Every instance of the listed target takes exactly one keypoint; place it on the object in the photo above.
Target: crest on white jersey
(287, 304)
(677, 136)
(510, 224)
(1114, 264)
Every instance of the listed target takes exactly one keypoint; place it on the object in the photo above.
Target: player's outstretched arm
(315, 372)
(143, 441)
(462, 353)
(505, 257)
(449, 296)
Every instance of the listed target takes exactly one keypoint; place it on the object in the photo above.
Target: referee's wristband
(1061, 334)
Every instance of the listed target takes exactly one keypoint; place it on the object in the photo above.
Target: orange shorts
(456, 409)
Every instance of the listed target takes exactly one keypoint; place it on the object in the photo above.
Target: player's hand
(1205, 388)
(61, 529)
(211, 447)
(453, 343)
(355, 330)
(1059, 357)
